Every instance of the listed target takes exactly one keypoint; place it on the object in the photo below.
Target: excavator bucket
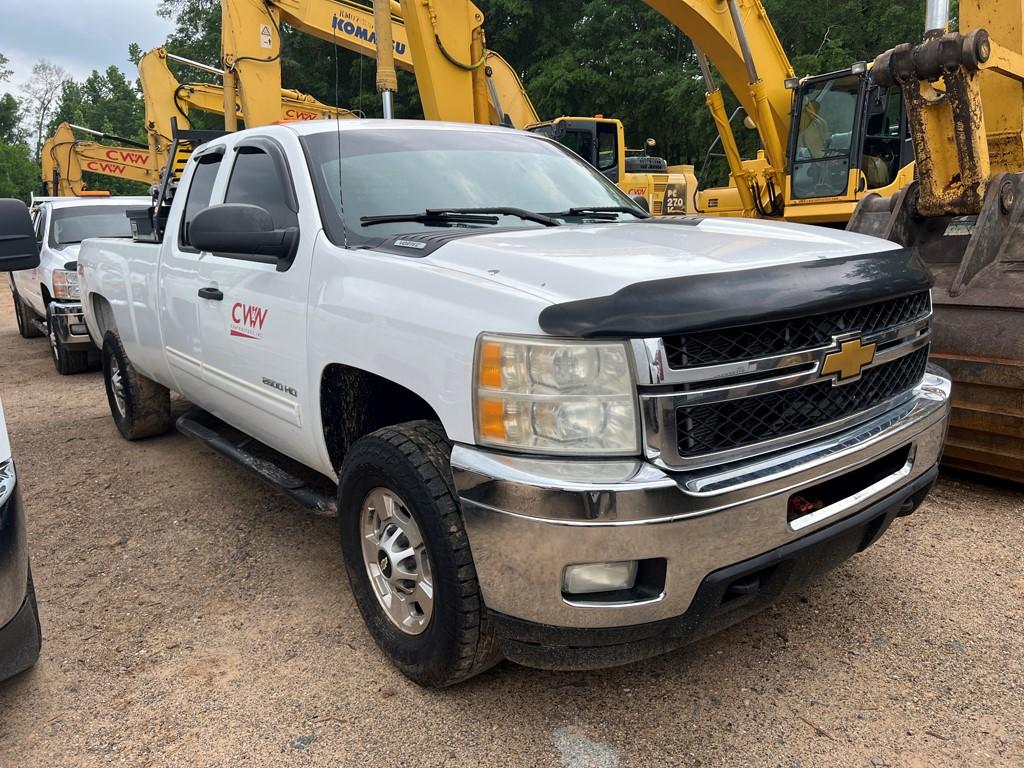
(978, 303)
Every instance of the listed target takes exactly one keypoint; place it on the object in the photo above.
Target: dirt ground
(194, 617)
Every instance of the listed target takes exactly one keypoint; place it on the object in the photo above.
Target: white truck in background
(46, 299)
(562, 432)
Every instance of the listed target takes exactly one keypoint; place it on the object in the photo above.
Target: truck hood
(69, 252)
(578, 262)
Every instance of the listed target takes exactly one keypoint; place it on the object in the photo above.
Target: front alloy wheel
(407, 555)
(396, 561)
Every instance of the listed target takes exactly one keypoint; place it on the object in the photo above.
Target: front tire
(67, 361)
(140, 406)
(417, 590)
(24, 316)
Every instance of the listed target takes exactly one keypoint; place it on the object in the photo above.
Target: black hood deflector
(726, 299)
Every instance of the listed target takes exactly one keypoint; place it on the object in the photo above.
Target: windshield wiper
(601, 212)
(460, 216)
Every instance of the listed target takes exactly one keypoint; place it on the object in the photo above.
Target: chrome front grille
(782, 336)
(715, 396)
(722, 426)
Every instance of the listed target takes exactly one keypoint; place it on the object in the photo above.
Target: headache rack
(148, 224)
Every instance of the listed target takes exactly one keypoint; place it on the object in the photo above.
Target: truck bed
(125, 274)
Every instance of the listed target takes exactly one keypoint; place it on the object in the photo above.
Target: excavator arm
(737, 37)
(458, 79)
(65, 158)
(964, 216)
(167, 99)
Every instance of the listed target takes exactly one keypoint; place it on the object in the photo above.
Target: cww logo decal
(247, 320)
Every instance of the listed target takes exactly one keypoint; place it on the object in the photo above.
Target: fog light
(588, 578)
(79, 329)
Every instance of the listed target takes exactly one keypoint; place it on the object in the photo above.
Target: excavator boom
(166, 99)
(65, 158)
(737, 37)
(454, 85)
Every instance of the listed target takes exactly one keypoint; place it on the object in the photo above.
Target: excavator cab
(601, 142)
(596, 140)
(848, 135)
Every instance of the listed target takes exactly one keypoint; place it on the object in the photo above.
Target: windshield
(828, 111)
(394, 172)
(73, 225)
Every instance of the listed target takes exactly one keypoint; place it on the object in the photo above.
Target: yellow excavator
(459, 80)
(167, 100)
(964, 95)
(64, 159)
(827, 140)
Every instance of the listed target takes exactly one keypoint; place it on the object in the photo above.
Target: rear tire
(140, 407)
(67, 361)
(448, 638)
(24, 315)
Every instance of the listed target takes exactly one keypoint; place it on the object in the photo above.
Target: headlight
(555, 396)
(65, 285)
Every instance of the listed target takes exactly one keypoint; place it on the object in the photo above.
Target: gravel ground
(193, 617)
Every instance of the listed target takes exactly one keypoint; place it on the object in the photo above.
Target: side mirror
(18, 247)
(242, 231)
(642, 202)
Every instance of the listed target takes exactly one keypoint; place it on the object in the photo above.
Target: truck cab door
(254, 317)
(28, 282)
(179, 280)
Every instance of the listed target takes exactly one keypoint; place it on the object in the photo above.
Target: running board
(284, 481)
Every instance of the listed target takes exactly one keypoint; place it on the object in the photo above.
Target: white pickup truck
(46, 298)
(562, 432)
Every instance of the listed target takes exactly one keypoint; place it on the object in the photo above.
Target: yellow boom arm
(166, 98)
(738, 38)
(458, 79)
(65, 158)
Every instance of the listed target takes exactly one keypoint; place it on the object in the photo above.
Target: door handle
(212, 294)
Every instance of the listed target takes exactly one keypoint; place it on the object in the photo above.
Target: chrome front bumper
(527, 518)
(69, 323)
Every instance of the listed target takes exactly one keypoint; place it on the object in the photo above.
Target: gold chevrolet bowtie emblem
(847, 363)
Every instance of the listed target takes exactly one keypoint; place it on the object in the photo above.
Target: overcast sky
(79, 35)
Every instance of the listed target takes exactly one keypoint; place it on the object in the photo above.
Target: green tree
(19, 174)
(110, 103)
(850, 31)
(10, 120)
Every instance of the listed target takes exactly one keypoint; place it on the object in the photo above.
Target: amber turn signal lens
(490, 365)
(492, 419)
